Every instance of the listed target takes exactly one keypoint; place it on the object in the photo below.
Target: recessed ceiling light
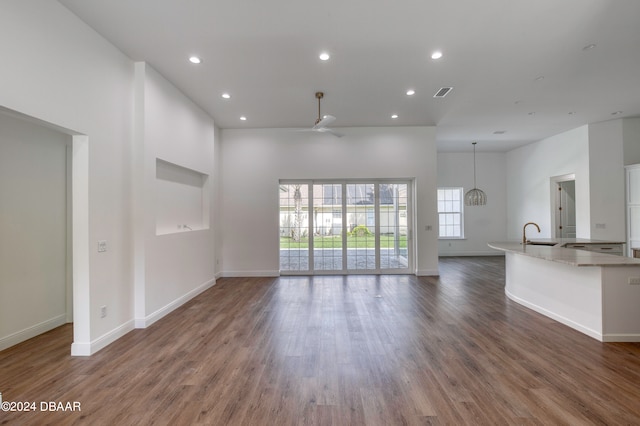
(394, 116)
(571, 112)
(195, 60)
(411, 92)
(436, 55)
(324, 56)
(499, 132)
(540, 78)
(589, 46)
(616, 113)
(226, 96)
(243, 118)
(532, 113)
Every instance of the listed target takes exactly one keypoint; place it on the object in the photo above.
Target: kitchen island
(595, 293)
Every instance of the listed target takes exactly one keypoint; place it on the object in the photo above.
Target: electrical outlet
(634, 280)
(102, 246)
(103, 312)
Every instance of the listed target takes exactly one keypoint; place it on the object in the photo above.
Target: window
(450, 213)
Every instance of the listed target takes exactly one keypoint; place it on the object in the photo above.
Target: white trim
(566, 321)
(88, 349)
(427, 272)
(470, 253)
(155, 316)
(621, 338)
(32, 331)
(235, 274)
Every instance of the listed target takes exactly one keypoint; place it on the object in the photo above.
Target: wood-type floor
(337, 350)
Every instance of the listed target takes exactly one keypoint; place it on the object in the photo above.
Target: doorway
(563, 190)
(346, 227)
(36, 292)
(77, 307)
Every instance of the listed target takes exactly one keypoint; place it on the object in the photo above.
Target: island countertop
(569, 256)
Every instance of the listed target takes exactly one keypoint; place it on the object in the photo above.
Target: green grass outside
(386, 241)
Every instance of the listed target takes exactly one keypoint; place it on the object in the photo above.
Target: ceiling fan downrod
(319, 95)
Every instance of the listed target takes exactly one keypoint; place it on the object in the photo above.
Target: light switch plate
(102, 246)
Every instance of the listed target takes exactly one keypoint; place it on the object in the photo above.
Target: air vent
(442, 92)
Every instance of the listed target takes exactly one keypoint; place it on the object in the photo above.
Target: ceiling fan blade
(326, 120)
(327, 130)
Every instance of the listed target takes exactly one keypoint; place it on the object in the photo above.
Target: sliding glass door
(344, 227)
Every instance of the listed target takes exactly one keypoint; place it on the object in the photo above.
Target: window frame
(460, 212)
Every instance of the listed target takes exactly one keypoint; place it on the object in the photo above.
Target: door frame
(555, 182)
(376, 208)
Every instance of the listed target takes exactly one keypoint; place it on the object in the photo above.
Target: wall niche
(181, 199)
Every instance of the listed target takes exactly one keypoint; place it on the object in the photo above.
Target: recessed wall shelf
(181, 199)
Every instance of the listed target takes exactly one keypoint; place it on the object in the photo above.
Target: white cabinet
(633, 207)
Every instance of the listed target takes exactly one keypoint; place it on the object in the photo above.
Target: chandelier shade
(475, 196)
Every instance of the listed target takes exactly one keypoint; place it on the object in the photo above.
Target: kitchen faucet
(524, 231)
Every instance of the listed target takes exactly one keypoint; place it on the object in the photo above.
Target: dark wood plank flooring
(334, 350)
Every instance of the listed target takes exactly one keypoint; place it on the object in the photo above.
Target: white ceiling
(265, 54)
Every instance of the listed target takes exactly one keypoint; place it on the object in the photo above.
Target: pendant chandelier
(475, 196)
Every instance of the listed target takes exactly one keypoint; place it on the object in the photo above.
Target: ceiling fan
(323, 121)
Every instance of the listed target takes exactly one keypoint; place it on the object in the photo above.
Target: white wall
(529, 170)
(607, 181)
(482, 223)
(631, 140)
(253, 161)
(173, 267)
(57, 69)
(33, 229)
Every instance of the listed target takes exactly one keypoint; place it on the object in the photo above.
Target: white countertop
(568, 256)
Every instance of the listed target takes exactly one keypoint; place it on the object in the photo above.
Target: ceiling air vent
(442, 92)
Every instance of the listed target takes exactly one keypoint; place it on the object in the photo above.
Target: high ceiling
(528, 68)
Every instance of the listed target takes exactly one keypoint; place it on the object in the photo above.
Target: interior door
(566, 205)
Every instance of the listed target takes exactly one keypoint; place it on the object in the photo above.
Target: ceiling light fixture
(540, 78)
(589, 47)
(324, 56)
(436, 55)
(243, 118)
(195, 60)
(411, 92)
(499, 132)
(616, 113)
(475, 196)
(394, 116)
(226, 96)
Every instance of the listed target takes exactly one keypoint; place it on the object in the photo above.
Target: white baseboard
(88, 349)
(629, 338)
(33, 331)
(427, 272)
(155, 316)
(470, 253)
(561, 319)
(235, 274)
